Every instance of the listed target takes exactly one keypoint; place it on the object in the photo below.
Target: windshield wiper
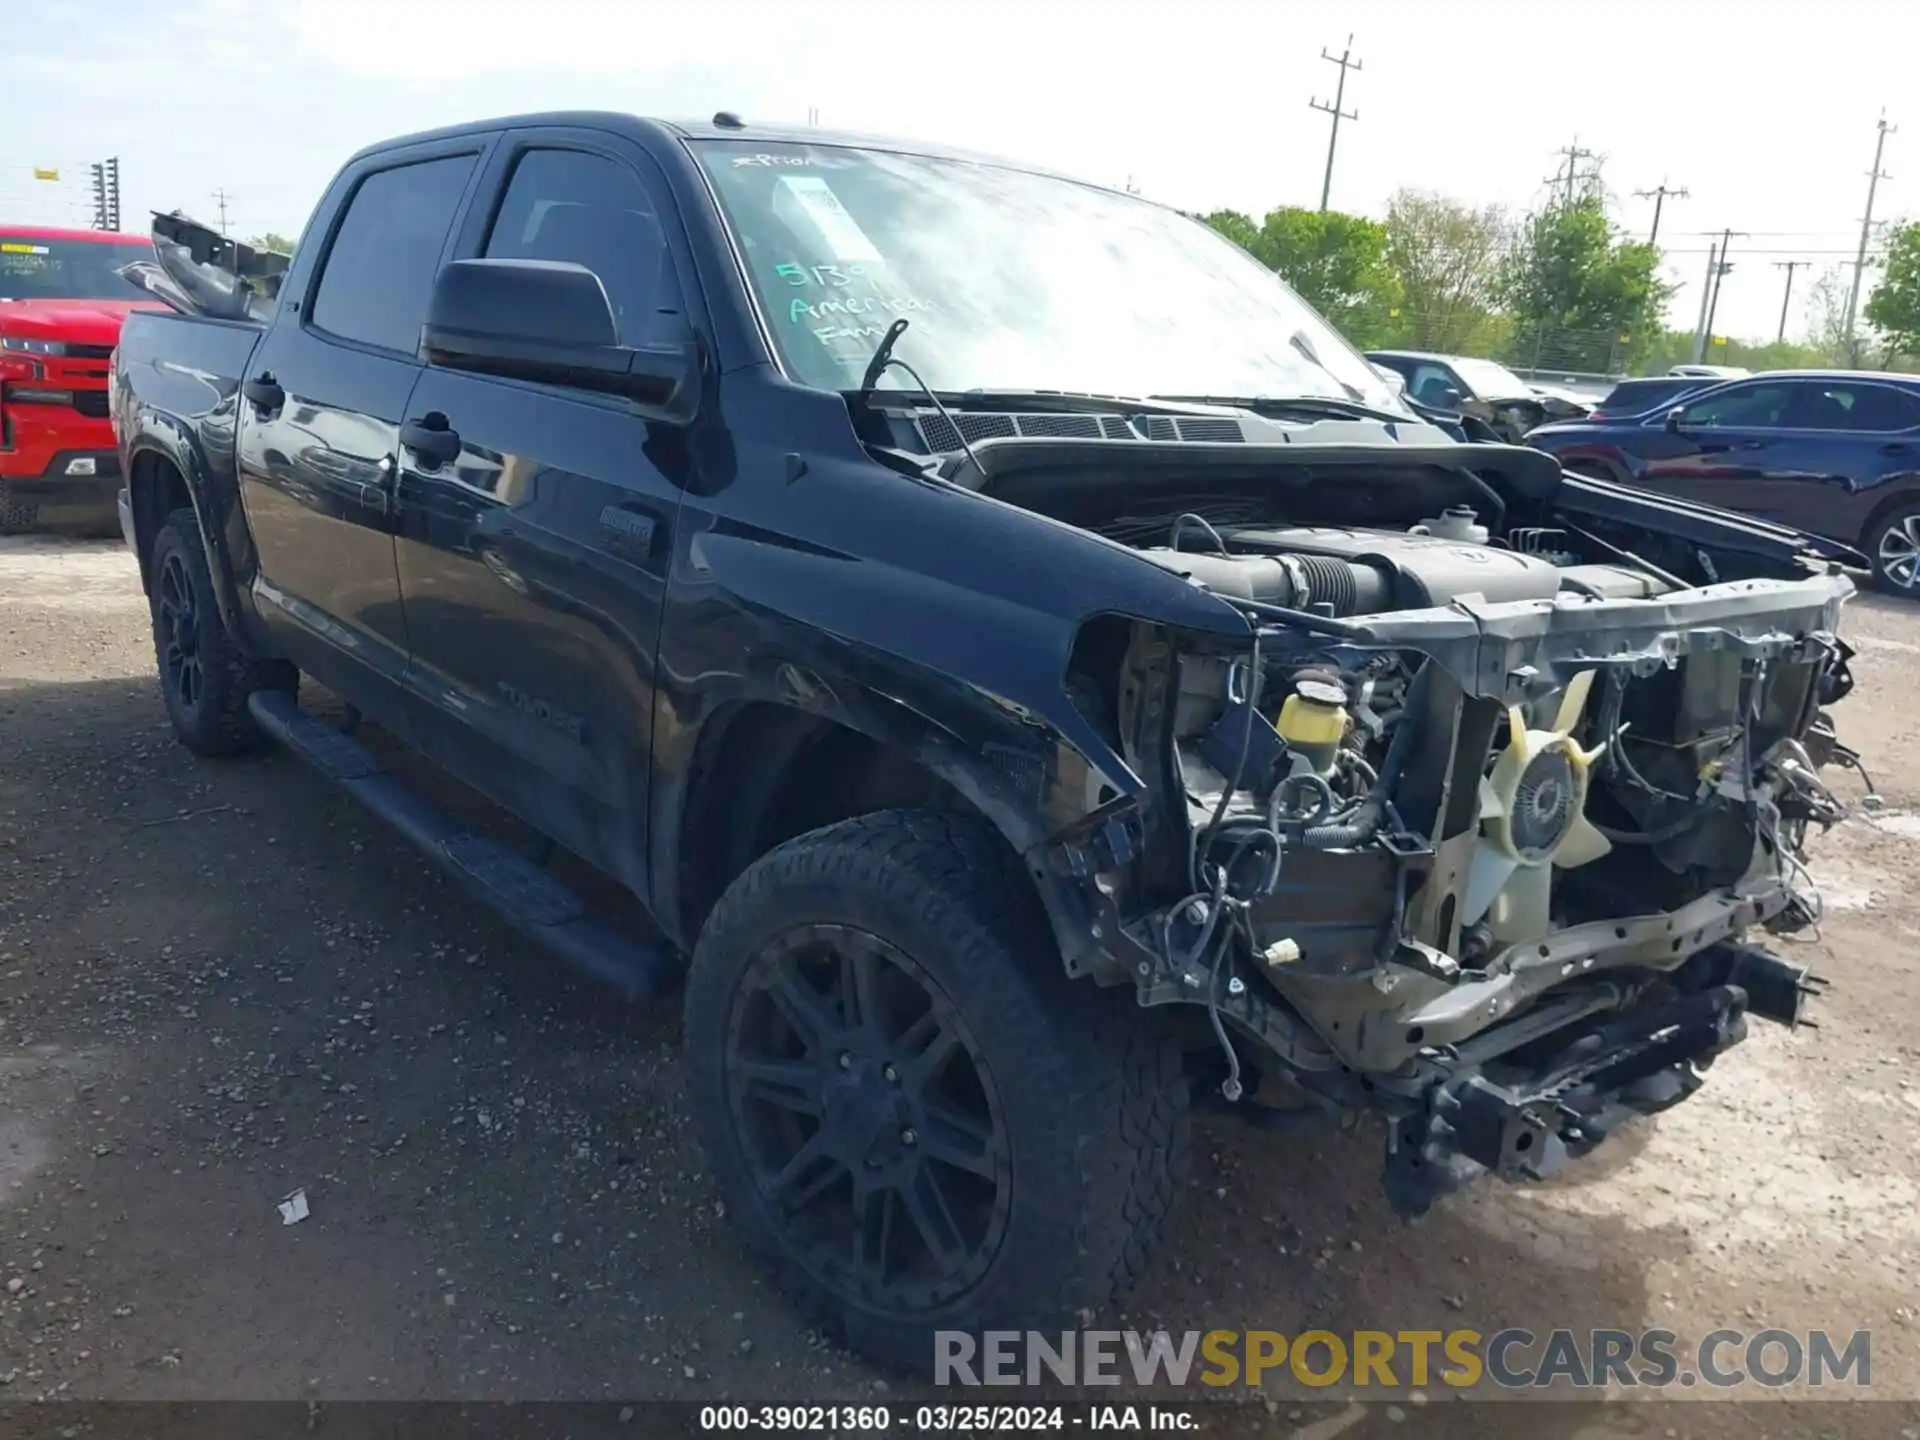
(1077, 402)
(1272, 405)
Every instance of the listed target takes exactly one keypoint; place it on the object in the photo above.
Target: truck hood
(81, 322)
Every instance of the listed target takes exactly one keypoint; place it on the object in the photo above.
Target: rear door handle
(431, 438)
(264, 392)
(1896, 447)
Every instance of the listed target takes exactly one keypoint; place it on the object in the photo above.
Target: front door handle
(1896, 447)
(1753, 444)
(431, 438)
(264, 392)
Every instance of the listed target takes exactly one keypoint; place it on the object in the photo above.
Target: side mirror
(549, 321)
(1674, 416)
(1448, 398)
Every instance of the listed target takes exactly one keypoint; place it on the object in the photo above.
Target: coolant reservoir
(1456, 522)
(1314, 721)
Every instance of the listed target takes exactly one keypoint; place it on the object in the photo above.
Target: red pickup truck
(62, 301)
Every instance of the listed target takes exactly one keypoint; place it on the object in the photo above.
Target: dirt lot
(222, 981)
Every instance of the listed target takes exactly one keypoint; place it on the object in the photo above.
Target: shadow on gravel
(274, 992)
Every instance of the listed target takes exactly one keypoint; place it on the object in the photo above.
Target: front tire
(205, 678)
(1894, 546)
(919, 1122)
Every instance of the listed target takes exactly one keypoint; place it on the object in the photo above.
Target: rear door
(1848, 439)
(533, 558)
(320, 415)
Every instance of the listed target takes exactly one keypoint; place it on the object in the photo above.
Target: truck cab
(62, 302)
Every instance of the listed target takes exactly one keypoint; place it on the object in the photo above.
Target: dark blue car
(1833, 452)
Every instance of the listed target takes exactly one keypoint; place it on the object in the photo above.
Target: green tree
(1444, 257)
(1337, 264)
(1581, 296)
(1894, 306)
(273, 242)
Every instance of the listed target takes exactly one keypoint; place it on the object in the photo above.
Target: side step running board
(527, 897)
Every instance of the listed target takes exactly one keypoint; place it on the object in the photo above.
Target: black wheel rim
(179, 633)
(868, 1118)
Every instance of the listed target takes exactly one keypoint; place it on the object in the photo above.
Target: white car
(1711, 372)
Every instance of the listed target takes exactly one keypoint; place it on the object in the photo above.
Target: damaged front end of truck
(1479, 825)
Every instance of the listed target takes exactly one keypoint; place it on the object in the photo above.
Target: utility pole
(1345, 61)
(1659, 195)
(1706, 301)
(1789, 266)
(1574, 154)
(1874, 177)
(220, 198)
(1719, 273)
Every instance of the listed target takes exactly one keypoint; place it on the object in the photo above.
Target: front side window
(1744, 406)
(592, 211)
(1011, 281)
(36, 267)
(379, 272)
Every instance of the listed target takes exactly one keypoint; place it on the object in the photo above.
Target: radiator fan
(1532, 818)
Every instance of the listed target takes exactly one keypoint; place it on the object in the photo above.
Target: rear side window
(593, 211)
(1842, 406)
(379, 274)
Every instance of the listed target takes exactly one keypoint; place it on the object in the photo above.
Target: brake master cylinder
(1314, 720)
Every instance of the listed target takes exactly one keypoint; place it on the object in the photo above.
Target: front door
(319, 420)
(1726, 448)
(533, 546)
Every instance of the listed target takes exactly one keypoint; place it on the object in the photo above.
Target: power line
(1346, 63)
(1659, 195)
(1789, 266)
(1874, 177)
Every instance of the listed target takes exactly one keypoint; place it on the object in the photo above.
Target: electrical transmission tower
(1569, 175)
(106, 193)
(1345, 61)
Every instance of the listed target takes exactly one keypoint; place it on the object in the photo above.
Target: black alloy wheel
(177, 632)
(868, 1117)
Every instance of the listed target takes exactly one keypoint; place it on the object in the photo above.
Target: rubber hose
(1366, 820)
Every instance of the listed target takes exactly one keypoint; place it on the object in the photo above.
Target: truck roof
(721, 126)
(54, 232)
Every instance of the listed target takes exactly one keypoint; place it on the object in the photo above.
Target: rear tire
(1024, 1175)
(17, 517)
(205, 678)
(1894, 547)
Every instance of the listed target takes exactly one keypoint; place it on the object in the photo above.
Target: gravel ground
(222, 981)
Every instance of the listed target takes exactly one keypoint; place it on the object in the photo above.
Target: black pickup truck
(1035, 673)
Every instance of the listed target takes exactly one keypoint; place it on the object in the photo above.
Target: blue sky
(1764, 111)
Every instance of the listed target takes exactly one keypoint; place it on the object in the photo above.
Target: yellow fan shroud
(1532, 818)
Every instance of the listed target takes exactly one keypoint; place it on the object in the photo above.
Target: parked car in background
(1710, 372)
(1642, 396)
(1483, 389)
(1560, 404)
(62, 299)
(1833, 452)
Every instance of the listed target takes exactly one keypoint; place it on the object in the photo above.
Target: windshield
(37, 268)
(1490, 379)
(1011, 281)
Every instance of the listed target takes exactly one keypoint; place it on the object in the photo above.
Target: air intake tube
(1298, 582)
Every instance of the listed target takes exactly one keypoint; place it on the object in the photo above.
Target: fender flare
(162, 438)
(1024, 777)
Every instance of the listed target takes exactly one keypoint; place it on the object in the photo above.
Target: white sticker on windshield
(807, 203)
